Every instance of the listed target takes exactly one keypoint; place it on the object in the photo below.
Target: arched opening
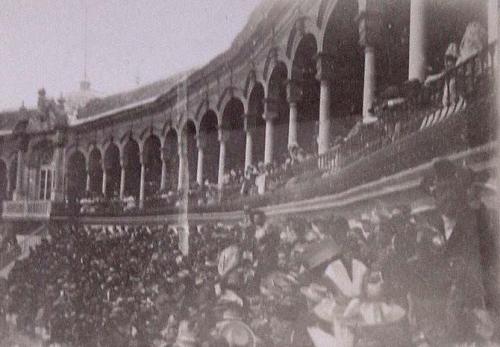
(277, 93)
(189, 134)
(257, 122)
(171, 153)
(209, 134)
(40, 170)
(232, 123)
(95, 171)
(113, 171)
(13, 176)
(3, 181)
(75, 176)
(304, 74)
(132, 165)
(152, 162)
(393, 53)
(341, 40)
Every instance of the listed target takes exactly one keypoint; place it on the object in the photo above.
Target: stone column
(143, 182)
(163, 179)
(270, 114)
(22, 146)
(9, 184)
(223, 137)
(19, 175)
(370, 24)
(123, 177)
(87, 178)
(201, 144)
(249, 129)
(418, 40)
(324, 75)
(293, 96)
(492, 20)
(58, 191)
(104, 179)
(182, 166)
(493, 28)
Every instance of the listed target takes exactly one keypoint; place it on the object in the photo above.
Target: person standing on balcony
(473, 42)
(449, 91)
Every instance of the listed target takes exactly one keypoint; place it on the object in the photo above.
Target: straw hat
(237, 333)
(452, 51)
(319, 253)
(186, 336)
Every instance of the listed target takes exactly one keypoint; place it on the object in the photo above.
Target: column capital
(293, 91)
(201, 141)
(223, 135)
(324, 66)
(249, 122)
(271, 108)
(369, 22)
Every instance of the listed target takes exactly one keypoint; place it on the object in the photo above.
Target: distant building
(76, 100)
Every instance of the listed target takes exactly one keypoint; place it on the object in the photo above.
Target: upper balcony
(453, 114)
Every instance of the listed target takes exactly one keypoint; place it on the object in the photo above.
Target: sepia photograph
(249, 173)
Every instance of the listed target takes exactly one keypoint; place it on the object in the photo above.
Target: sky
(129, 41)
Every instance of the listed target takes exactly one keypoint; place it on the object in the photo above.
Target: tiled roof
(116, 101)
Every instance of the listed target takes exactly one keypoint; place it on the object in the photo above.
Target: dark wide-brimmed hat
(444, 171)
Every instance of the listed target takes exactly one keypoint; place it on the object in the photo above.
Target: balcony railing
(27, 209)
(422, 108)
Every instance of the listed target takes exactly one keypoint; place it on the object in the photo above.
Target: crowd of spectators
(388, 278)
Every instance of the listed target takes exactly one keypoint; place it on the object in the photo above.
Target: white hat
(229, 258)
(452, 51)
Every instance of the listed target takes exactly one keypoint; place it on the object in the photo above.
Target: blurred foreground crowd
(388, 278)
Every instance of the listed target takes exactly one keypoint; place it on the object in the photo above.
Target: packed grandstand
(391, 278)
(303, 199)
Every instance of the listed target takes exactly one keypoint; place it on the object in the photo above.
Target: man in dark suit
(459, 260)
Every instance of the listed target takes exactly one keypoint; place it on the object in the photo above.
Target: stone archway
(209, 136)
(341, 41)
(232, 124)
(76, 177)
(112, 170)
(189, 138)
(303, 93)
(171, 157)
(277, 94)
(257, 122)
(95, 171)
(152, 162)
(132, 165)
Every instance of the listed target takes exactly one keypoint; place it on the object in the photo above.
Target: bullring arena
(329, 180)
